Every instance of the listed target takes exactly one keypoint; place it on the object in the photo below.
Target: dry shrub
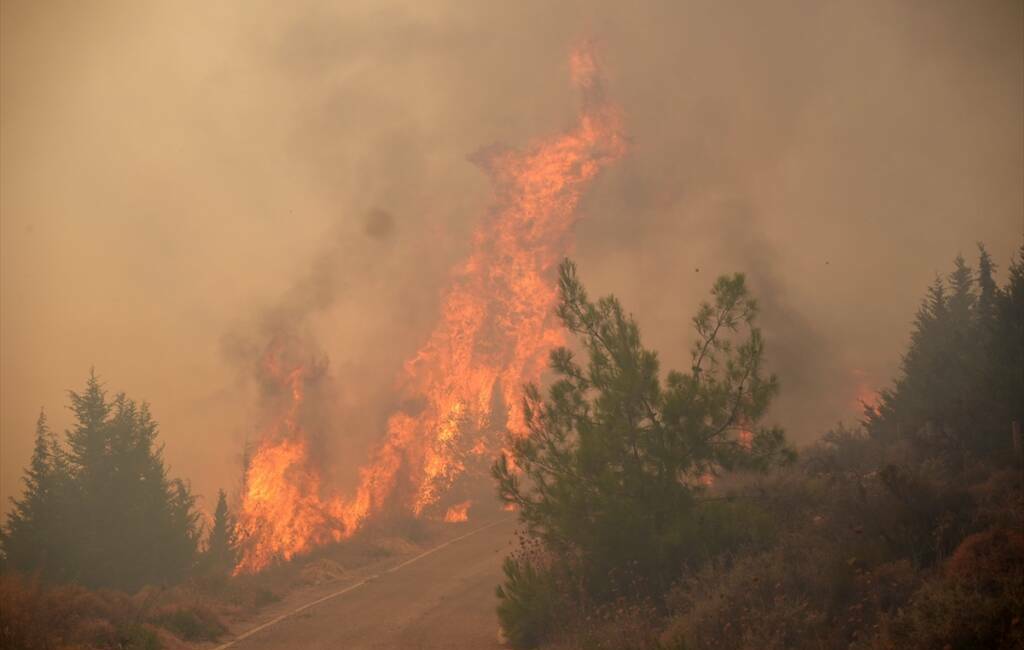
(24, 621)
(975, 602)
(984, 558)
(191, 622)
(321, 571)
(805, 593)
(621, 625)
(68, 617)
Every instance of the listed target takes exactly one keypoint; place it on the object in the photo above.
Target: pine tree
(119, 521)
(154, 525)
(1006, 350)
(962, 299)
(89, 462)
(962, 378)
(614, 461)
(87, 441)
(987, 289)
(221, 544)
(907, 404)
(963, 359)
(33, 533)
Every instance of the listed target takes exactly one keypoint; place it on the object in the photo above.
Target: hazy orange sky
(170, 171)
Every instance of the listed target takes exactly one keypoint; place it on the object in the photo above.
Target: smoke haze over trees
(99, 508)
(855, 145)
(904, 532)
(321, 238)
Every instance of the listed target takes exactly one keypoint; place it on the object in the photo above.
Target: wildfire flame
(497, 319)
(282, 512)
(496, 327)
(458, 512)
(867, 396)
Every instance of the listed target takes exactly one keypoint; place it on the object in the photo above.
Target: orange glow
(496, 327)
(282, 513)
(746, 439)
(866, 396)
(458, 512)
(497, 318)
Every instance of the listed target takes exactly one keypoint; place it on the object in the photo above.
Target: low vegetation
(36, 613)
(661, 515)
(658, 511)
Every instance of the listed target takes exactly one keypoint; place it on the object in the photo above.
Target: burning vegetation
(657, 509)
(496, 327)
(283, 511)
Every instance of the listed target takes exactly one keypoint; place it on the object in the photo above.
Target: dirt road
(440, 599)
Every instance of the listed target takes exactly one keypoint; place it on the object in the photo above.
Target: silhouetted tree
(113, 518)
(988, 290)
(221, 552)
(961, 377)
(34, 533)
(1006, 348)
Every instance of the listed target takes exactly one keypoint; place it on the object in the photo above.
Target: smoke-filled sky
(177, 177)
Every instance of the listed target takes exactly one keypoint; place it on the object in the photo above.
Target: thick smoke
(168, 173)
(284, 336)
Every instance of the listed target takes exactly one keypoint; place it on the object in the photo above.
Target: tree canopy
(962, 376)
(100, 509)
(617, 455)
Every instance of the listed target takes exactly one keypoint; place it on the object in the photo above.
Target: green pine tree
(616, 456)
(34, 532)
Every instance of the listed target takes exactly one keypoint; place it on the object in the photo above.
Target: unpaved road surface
(441, 599)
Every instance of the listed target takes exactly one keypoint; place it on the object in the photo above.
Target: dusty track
(442, 598)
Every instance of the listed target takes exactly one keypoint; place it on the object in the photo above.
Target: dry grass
(69, 618)
(35, 616)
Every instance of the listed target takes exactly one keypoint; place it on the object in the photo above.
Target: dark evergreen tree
(34, 536)
(961, 380)
(146, 525)
(1006, 350)
(988, 290)
(111, 516)
(221, 552)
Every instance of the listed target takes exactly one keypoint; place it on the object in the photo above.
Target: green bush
(530, 602)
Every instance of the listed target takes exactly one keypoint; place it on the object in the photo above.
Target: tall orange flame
(496, 327)
(282, 513)
(497, 319)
